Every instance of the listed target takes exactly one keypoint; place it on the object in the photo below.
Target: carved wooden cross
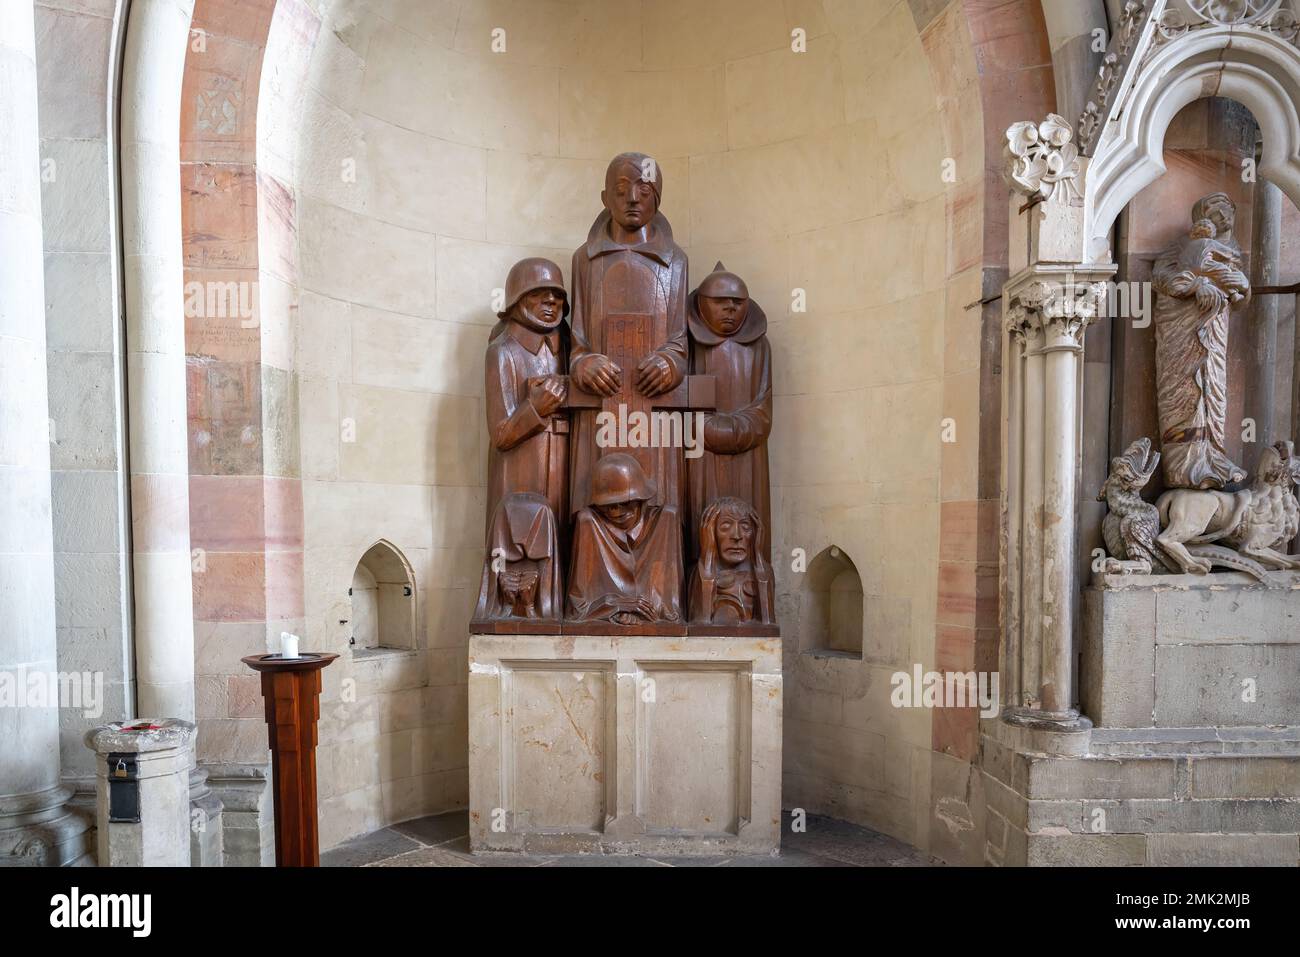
(627, 338)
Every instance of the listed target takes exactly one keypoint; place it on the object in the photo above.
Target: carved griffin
(1256, 521)
(1132, 525)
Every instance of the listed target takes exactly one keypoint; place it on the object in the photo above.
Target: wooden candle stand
(291, 688)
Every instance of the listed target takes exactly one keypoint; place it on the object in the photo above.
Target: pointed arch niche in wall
(383, 601)
(832, 606)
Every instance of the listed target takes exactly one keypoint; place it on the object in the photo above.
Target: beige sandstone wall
(818, 171)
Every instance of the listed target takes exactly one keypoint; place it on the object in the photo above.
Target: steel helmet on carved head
(530, 274)
(618, 478)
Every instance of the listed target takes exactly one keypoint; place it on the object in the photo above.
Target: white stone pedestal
(1186, 651)
(633, 745)
(161, 838)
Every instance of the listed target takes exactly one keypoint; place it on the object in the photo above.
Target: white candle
(288, 645)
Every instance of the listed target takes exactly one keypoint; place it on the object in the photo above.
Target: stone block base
(633, 745)
(247, 813)
(1155, 796)
(1184, 651)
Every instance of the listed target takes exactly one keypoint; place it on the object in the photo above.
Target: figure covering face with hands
(732, 583)
(627, 565)
(729, 341)
(629, 322)
(1197, 282)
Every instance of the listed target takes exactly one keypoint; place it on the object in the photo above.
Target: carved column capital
(1058, 308)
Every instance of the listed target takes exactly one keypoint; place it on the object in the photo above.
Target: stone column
(153, 67)
(157, 39)
(1261, 400)
(1049, 301)
(1048, 309)
(35, 826)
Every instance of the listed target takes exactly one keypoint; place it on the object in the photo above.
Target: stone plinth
(1180, 651)
(1194, 758)
(161, 838)
(632, 745)
(1155, 796)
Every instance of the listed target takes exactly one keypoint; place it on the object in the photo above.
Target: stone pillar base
(205, 822)
(41, 830)
(1147, 797)
(247, 815)
(1194, 759)
(627, 745)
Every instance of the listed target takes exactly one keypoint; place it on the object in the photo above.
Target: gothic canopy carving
(1163, 55)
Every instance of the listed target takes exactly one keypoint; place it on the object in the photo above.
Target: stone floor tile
(790, 858)
(460, 847)
(694, 861)
(426, 857)
(372, 847)
(443, 841)
(437, 829)
(602, 860)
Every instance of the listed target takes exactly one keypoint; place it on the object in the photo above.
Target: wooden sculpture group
(628, 429)
(1199, 523)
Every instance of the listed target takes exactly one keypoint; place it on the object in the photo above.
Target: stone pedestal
(161, 837)
(1195, 754)
(1185, 651)
(247, 813)
(634, 745)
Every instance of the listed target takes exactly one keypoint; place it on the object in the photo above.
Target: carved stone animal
(1255, 521)
(1131, 525)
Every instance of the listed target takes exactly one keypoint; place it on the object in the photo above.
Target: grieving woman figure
(732, 582)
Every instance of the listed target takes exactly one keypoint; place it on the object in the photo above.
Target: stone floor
(443, 841)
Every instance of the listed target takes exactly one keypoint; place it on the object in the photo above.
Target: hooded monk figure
(729, 341)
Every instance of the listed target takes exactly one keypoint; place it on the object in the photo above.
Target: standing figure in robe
(523, 389)
(627, 552)
(528, 457)
(629, 323)
(729, 341)
(1197, 282)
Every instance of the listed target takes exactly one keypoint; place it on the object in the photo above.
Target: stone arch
(1255, 67)
(832, 618)
(383, 600)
